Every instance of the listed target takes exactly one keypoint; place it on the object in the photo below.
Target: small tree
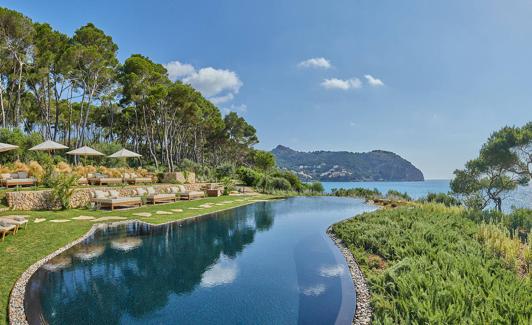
(264, 160)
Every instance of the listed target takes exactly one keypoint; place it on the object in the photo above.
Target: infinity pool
(265, 263)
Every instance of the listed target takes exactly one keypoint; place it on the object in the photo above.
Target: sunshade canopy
(48, 145)
(7, 147)
(85, 151)
(124, 153)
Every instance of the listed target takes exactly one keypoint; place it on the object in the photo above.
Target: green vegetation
(445, 199)
(370, 195)
(18, 252)
(503, 163)
(425, 264)
(73, 89)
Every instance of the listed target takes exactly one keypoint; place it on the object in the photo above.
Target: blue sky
(451, 71)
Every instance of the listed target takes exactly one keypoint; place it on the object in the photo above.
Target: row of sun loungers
(112, 198)
(11, 224)
(23, 179)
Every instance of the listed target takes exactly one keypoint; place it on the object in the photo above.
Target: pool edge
(16, 311)
(363, 309)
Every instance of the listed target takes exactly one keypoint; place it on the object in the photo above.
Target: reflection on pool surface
(266, 263)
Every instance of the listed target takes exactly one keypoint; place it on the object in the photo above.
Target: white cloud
(332, 270)
(217, 85)
(177, 69)
(223, 272)
(222, 99)
(212, 82)
(334, 83)
(321, 63)
(314, 290)
(374, 82)
(235, 108)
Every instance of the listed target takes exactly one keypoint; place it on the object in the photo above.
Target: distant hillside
(342, 166)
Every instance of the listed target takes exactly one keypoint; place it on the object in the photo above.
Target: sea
(520, 198)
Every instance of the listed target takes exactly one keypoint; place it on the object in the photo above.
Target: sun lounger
(102, 179)
(111, 199)
(132, 178)
(183, 194)
(18, 221)
(6, 227)
(154, 197)
(83, 181)
(17, 179)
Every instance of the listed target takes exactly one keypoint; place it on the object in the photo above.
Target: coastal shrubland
(428, 263)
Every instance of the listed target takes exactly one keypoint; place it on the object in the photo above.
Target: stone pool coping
(363, 309)
(16, 311)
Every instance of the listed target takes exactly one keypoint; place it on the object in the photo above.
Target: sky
(428, 80)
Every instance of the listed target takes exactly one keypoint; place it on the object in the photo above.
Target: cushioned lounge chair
(154, 197)
(112, 199)
(183, 194)
(17, 179)
(5, 228)
(18, 221)
(102, 179)
(132, 178)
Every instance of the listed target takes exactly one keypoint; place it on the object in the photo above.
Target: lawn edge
(363, 309)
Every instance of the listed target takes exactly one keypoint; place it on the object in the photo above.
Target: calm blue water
(520, 198)
(414, 189)
(266, 263)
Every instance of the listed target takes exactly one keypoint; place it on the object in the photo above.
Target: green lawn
(18, 252)
(424, 265)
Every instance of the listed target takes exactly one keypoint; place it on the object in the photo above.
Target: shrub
(62, 189)
(498, 240)
(224, 170)
(248, 176)
(358, 192)
(396, 195)
(436, 271)
(442, 198)
(295, 182)
(36, 170)
(281, 184)
(316, 187)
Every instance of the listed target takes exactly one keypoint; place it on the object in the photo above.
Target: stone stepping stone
(108, 218)
(177, 210)
(83, 218)
(142, 214)
(227, 202)
(60, 220)
(195, 208)
(220, 203)
(206, 206)
(163, 212)
(39, 220)
(239, 200)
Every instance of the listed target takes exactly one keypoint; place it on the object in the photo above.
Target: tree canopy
(73, 89)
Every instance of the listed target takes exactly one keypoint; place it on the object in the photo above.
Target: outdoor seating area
(17, 179)
(112, 199)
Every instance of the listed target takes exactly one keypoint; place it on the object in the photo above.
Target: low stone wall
(42, 200)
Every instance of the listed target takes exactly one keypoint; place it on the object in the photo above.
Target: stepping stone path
(142, 214)
(39, 220)
(206, 206)
(220, 203)
(195, 208)
(83, 218)
(163, 212)
(108, 218)
(59, 220)
(177, 210)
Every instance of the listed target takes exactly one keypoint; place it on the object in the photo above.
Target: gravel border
(363, 309)
(16, 312)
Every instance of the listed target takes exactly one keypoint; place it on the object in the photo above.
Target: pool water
(265, 263)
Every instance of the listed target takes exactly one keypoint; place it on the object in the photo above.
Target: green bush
(281, 184)
(248, 176)
(396, 195)
(224, 170)
(62, 188)
(435, 271)
(358, 192)
(442, 198)
(295, 182)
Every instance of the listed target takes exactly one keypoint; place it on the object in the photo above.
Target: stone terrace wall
(42, 200)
